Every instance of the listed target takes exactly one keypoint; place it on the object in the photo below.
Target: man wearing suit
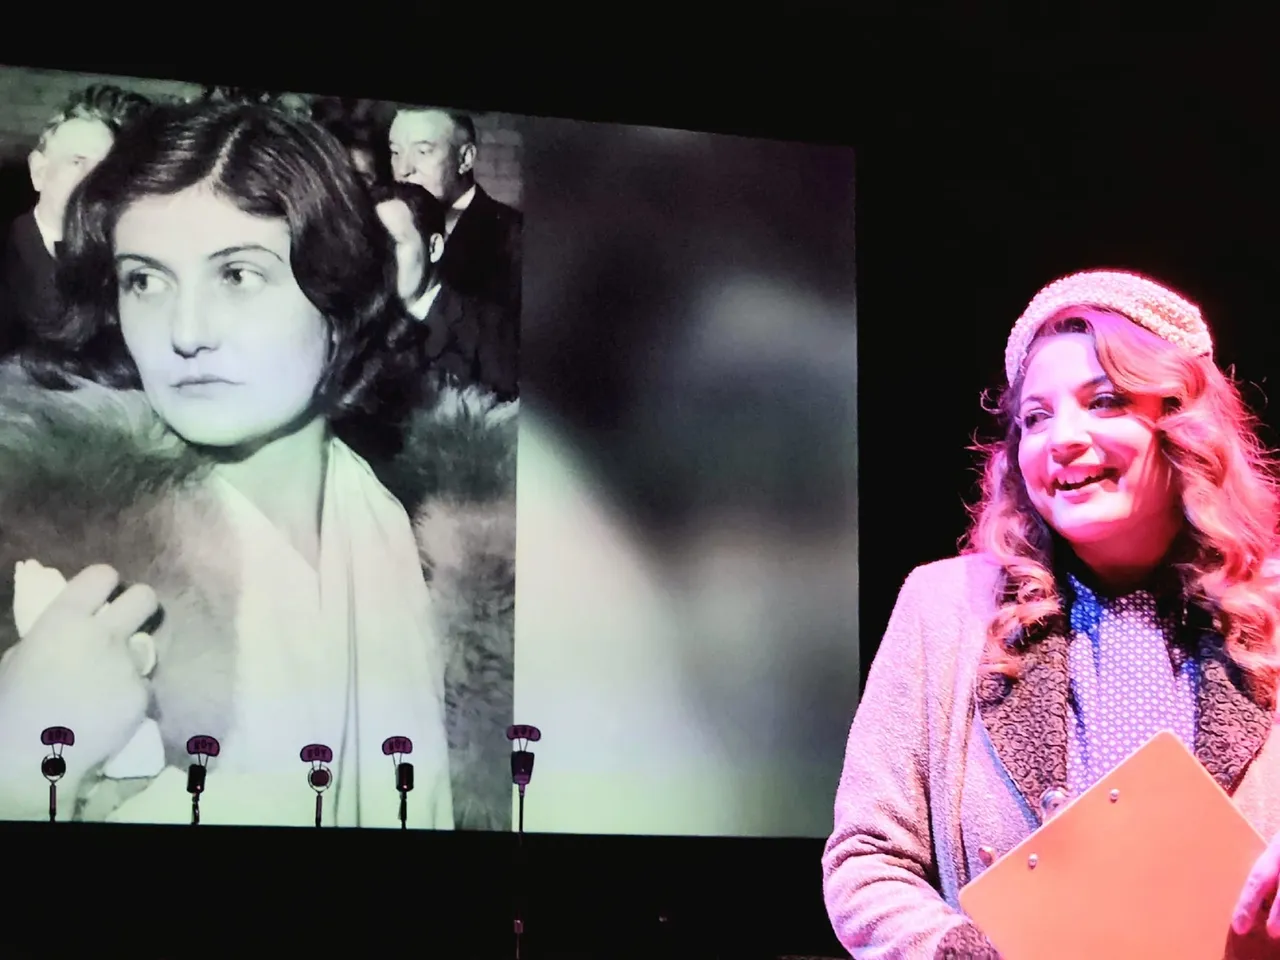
(73, 142)
(467, 339)
(436, 149)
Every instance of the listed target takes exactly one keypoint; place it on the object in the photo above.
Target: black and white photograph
(258, 410)
(269, 360)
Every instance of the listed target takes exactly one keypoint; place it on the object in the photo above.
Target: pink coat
(940, 765)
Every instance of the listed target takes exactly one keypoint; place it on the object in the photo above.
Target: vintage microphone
(395, 747)
(53, 767)
(522, 735)
(522, 761)
(203, 748)
(319, 777)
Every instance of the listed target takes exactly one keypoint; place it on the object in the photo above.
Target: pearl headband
(1145, 302)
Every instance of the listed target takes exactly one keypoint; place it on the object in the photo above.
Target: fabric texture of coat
(943, 761)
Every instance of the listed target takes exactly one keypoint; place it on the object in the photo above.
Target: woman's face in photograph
(228, 347)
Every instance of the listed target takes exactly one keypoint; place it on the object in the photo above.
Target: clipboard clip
(1052, 801)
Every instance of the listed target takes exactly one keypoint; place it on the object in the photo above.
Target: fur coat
(92, 476)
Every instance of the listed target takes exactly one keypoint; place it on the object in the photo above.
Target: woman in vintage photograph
(1118, 581)
(199, 546)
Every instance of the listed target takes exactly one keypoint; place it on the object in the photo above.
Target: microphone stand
(195, 786)
(404, 783)
(395, 747)
(53, 768)
(521, 773)
(520, 871)
(203, 748)
(319, 777)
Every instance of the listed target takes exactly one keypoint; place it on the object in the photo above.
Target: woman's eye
(242, 278)
(1110, 401)
(140, 283)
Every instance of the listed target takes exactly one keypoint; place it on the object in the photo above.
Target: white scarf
(375, 614)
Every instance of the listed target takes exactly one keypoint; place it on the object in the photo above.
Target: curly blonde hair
(1227, 482)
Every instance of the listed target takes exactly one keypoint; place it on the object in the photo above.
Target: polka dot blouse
(1127, 683)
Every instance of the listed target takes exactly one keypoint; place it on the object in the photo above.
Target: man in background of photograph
(73, 142)
(436, 149)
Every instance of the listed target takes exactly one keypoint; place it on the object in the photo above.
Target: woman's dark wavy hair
(269, 164)
(427, 212)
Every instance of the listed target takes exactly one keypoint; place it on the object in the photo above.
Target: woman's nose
(1067, 433)
(190, 328)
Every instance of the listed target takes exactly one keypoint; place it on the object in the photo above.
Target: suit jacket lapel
(443, 316)
(1026, 720)
(462, 239)
(1231, 726)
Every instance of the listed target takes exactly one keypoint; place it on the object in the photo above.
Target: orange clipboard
(1149, 862)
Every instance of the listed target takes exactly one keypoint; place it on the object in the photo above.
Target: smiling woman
(230, 306)
(1117, 583)
(1090, 453)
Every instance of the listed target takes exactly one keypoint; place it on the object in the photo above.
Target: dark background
(988, 164)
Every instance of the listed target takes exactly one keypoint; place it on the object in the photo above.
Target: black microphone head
(521, 767)
(319, 778)
(404, 776)
(195, 779)
(53, 768)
